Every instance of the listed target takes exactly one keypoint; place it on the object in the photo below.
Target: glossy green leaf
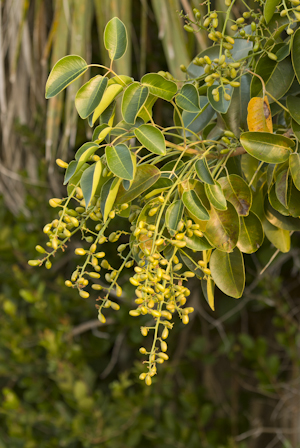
(283, 222)
(249, 166)
(236, 115)
(197, 243)
(123, 128)
(146, 175)
(101, 132)
(107, 99)
(275, 203)
(188, 98)
(194, 205)
(267, 147)
(283, 52)
(280, 238)
(89, 95)
(115, 38)
(65, 71)
(278, 77)
(146, 112)
(190, 259)
(294, 164)
(108, 196)
(173, 216)
(222, 105)
(133, 99)
(269, 9)
(122, 80)
(74, 180)
(203, 171)
(196, 122)
(216, 196)
(160, 185)
(241, 47)
(89, 181)
(251, 234)
(293, 199)
(84, 153)
(296, 54)
(292, 103)
(119, 161)
(152, 138)
(281, 187)
(228, 272)
(70, 171)
(222, 229)
(159, 86)
(296, 129)
(237, 192)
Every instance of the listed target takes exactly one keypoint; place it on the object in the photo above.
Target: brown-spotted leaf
(237, 192)
(222, 229)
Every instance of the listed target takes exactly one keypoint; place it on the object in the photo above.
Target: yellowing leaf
(259, 116)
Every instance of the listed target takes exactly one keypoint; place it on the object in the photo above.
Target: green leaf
(101, 132)
(119, 161)
(275, 203)
(146, 175)
(216, 196)
(159, 86)
(123, 80)
(237, 192)
(270, 148)
(292, 103)
(115, 38)
(123, 128)
(228, 272)
(296, 129)
(70, 171)
(108, 195)
(188, 98)
(241, 47)
(146, 112)
(222, 105)
(278, 220)
(296, 54)
(281, 187)
(152, 138)
(107, 99)
(173, 216)
(222, 229)
(293, 199)
(74, 180)
(160, 185)
(89, 181)
(194, 205)
(269, 9)
(84, 153)
(249, 166)
(236, 116)
(190, 259)
(197, 243)
(280, 238)
(203, 172)
(65, 71)
(251, 234)
(278, 77)
(195, 70)
(89, 96)
(133, 99)
(294, 164)
(196, 122)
